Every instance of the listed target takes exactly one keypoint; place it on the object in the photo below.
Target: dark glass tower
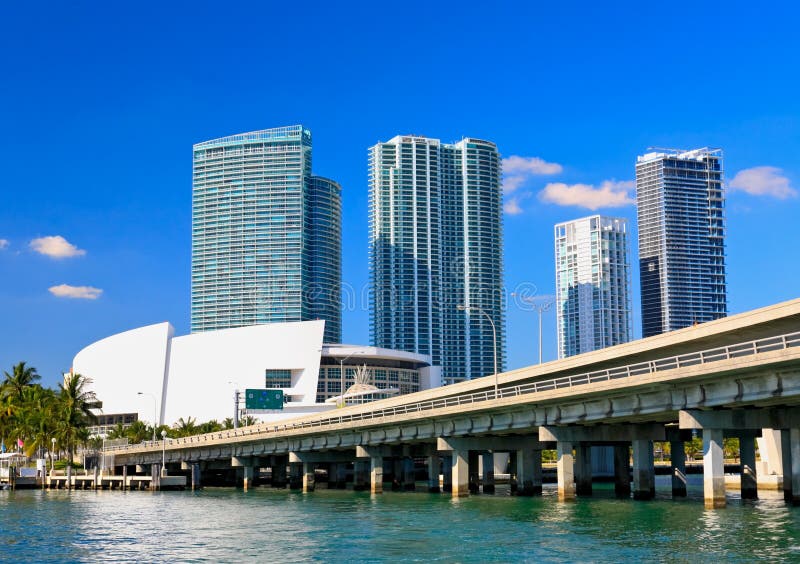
(681, 206)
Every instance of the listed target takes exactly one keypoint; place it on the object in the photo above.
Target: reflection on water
(267, 525)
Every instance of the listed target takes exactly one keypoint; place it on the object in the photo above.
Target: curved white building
(151, 372)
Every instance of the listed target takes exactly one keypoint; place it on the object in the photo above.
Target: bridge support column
(125, 478)
(790, 455)
(279, 472)
(376, 474)
(528, 471)
(408, 476)
(155, 477)
(341, 476)
(678, 467)
(713, 469)
(747, 456)
(360, 476)
(397, 473)
(583, 467)
(622, 470)
(433, 474)
(460, 472)
(488, 472)
(644, 485)
(308, 477)
(247, 477)
(295, 475)
(447, 473)
(196, 480)
(473, 459)
(566, 471)
(513, 473)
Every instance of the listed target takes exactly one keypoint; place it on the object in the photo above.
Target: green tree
(117, 432)
(74, 412)
(185, 427)
(139, 432)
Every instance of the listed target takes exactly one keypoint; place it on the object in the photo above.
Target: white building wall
(202, 365)
(122, 365)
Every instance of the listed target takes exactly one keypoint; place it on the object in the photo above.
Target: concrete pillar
(247, 479)
(678, 468)
(341, 476)
(473, 460)
(124, 478)
(295, 475)
(308, 477)
(408, 476)
(713, 469)
(396, 465)
(360, 475)
(583, 469)
(602, 461)
(786, 463)
(460, 473)
(644, 483)
(447, 473)
(155, 477)
(794, 439)
(528, 471)
(566, 471)
(622, 470)
(69, 476)
(513, 475)
(279, 472)
(747, 456)
(488, 472)
(433, 474)
(196, 479)
(376, 474)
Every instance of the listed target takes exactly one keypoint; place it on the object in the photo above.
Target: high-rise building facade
(592, 284)
(435, 243)
(681, 222)
(266, 234)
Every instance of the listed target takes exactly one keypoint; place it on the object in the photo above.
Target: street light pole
(540, 304)
(462, 307)
(155, 411)
(235, 404)
(163, 452)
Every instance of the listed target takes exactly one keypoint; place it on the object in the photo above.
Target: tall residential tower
(681, 204)
(592, 284)
(266, 234)
(435, 243)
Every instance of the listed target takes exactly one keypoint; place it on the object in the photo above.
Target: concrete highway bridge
(735, 377)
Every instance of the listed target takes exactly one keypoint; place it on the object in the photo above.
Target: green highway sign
(263, 399)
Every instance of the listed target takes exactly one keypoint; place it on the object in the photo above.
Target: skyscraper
(266, 234)
(435, 243)
(681, 238)
(592, 284)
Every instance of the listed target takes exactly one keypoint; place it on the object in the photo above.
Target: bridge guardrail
(728, 352)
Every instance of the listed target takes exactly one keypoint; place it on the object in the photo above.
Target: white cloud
(512, 207)
(763, 181)
(76, 292)
(4, 244)
(55, 246)
(610, 194)
(517, 170)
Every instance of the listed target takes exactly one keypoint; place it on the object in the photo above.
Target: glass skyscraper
(436, 242)
(681, 204)
(266, 234)
(592, 284)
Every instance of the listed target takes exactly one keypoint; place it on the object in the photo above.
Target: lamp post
(53, 455)
(540, 304)
(341, 375)
(235, 404)
(163, 452)
(468, 309)
(155, 411)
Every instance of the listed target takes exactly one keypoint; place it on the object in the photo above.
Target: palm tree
(74, 412)
(117, 432)
(185, 427)
(14, 384)
(138, 432)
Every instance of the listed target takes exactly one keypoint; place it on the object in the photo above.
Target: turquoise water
(226, 525)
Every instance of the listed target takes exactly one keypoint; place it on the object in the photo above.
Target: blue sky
(100, 104)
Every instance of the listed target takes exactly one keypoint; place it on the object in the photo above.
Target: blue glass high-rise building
(681, 222)
(266, 234)
(436, 242)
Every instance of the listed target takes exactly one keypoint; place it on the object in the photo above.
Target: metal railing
(728, 352)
